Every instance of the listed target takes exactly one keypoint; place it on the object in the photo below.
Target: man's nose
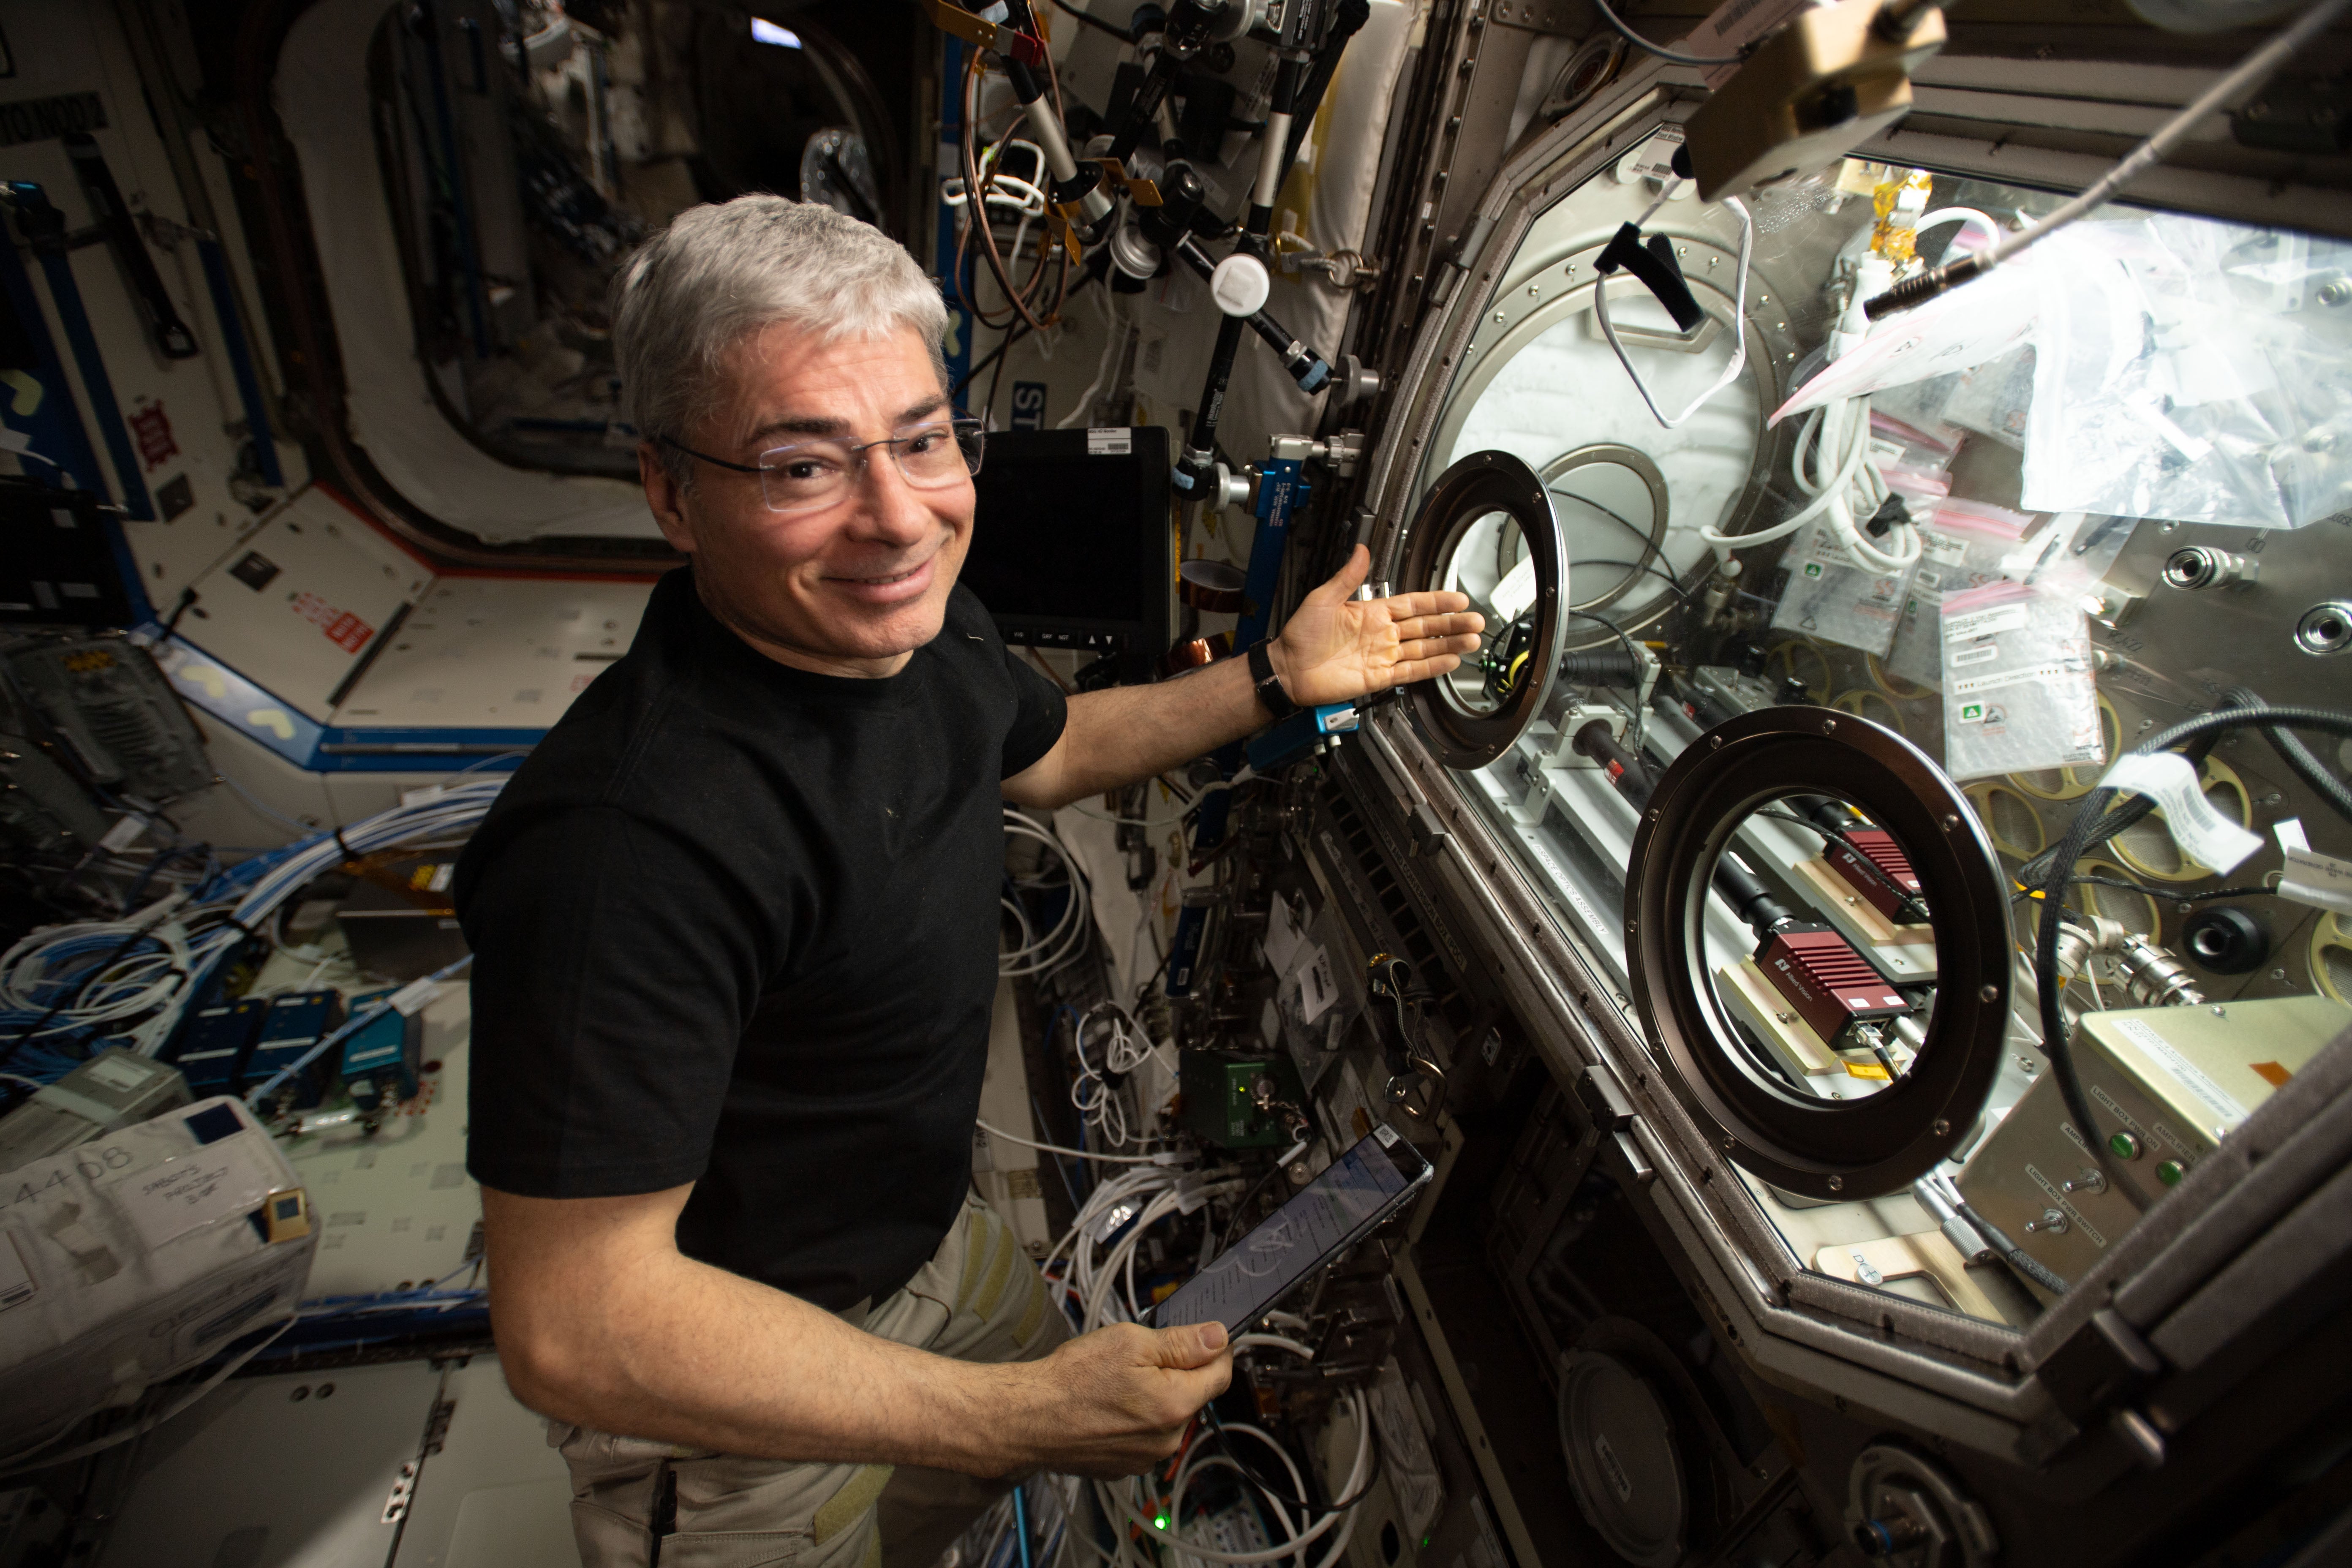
(889, 510)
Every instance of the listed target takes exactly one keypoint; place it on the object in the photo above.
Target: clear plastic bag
(1830, 597)
(2018, 689)
(2188, 368)
(1971, 544)
(1961, 546)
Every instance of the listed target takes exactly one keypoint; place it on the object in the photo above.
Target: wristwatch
(1269, 685)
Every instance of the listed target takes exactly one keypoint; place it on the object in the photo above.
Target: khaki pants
(979, 1298)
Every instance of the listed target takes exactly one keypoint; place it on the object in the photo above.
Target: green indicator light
(1161, 1522)
(2170, 1172)
(2124, 1145)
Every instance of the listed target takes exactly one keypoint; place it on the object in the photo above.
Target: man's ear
(667, 496)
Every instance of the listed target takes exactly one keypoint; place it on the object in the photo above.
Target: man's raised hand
(1336, 648)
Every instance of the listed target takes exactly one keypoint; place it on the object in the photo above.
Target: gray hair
(719, 273)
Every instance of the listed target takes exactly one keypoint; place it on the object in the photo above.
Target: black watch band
(1269, 685)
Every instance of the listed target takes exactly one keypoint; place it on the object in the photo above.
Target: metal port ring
(1848, 1149)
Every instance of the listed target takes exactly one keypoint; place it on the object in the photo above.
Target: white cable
(1068, 938)
(1081, 1153)
(1114, 339)
(1274, 1341)
(1738, 320)
(1121, 1500)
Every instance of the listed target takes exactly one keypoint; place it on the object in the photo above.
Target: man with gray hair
(734, 933)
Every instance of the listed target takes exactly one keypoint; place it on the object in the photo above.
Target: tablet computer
(1353, 1196)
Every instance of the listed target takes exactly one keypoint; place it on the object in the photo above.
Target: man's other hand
(1335, 648)
(1116, 1401)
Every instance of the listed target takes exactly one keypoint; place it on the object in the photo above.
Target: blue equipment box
(297, 1022)
(382, 1058)
(216, 1043)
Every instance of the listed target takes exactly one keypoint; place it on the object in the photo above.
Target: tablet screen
(1351, 1194)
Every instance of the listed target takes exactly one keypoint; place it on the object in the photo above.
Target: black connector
(1750, 899)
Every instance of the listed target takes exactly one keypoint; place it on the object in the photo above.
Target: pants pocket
(734, 1547)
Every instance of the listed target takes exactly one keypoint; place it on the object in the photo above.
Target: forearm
(679, 1352)
(1130, 733)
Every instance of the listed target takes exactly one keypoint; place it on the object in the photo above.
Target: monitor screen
(1071, 545)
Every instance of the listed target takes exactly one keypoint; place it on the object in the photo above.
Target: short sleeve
(613, 970)
(1040, 714)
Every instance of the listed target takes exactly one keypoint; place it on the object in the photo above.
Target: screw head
(1942, 1128)
(1988, 992)
(1837, 1183)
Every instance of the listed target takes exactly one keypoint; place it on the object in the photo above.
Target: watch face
(835, 170)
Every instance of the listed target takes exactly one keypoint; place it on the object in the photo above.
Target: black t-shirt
(734, 924)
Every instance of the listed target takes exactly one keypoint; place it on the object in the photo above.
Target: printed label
(2036, 673)
(1981, 653)
(1317, 987)
(2320, 880)
(1110, 443)
(2167, 778)
(116, 1073)
(124, 833)
(2323, 881)
(1984, 623)
(342, 629)
(190, 1191)
(2211, 1095)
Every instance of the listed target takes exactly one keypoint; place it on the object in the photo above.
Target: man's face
(856, 586)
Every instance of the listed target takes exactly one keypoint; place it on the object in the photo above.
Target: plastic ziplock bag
(2019, 693)
(1830, 597)
(1962, 545)
(2187, 369)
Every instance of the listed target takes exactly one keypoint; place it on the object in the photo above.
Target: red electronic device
(1831, 986)
(1870, 849)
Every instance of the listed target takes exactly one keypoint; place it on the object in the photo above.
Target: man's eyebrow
(818, 425)
(807, 425)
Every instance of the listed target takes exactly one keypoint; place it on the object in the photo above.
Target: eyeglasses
(809, 475)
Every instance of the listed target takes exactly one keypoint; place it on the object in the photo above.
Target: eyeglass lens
(810, 474)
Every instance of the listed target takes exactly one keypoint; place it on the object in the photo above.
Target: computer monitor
(1072, 544)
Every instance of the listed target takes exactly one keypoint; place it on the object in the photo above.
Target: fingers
(1404, 606)
(1439, 625)
(1422, 648)
(1407, 671)
(1350, 577)
(1188, 1347)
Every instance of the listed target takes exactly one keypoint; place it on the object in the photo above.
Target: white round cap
(1240, 285)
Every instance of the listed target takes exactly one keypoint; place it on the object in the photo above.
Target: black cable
(1272, 1490)
(2009, 1252)
(1668, 578)
(2158, 893)
(2298, 756)
(1865, 862)
(1641, 711)
(1241, 1207)
(1115, 32)
(1019, 330)
(2038, 870)
(1672, 56)
(2093, 814)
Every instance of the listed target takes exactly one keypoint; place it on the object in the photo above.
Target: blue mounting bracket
(1281, 492)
